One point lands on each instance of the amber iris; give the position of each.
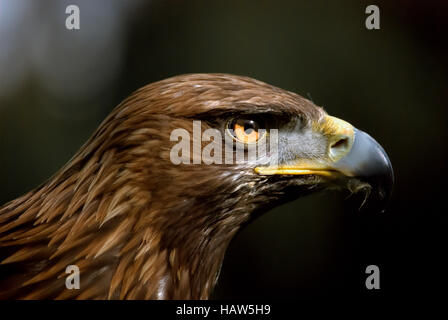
(246, 130)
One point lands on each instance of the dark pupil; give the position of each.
(249, 126)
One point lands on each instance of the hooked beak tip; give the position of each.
(368, 162)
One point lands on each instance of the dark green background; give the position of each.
(391, 83)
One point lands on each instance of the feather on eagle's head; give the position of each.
(139, 226)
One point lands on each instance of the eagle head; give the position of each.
(148, 206)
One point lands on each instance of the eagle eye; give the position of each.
(245, 130)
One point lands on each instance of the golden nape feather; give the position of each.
(137, 225)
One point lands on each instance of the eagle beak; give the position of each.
(351, 153)
(368, 162)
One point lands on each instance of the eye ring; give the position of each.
(245, 130)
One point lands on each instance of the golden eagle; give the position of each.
(140, 226)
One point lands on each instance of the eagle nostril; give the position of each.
(341, 143)
(339, 148)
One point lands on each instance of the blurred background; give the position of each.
(56, 86)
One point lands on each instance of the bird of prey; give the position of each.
(138, 225)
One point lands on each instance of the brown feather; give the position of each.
(137, 226)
